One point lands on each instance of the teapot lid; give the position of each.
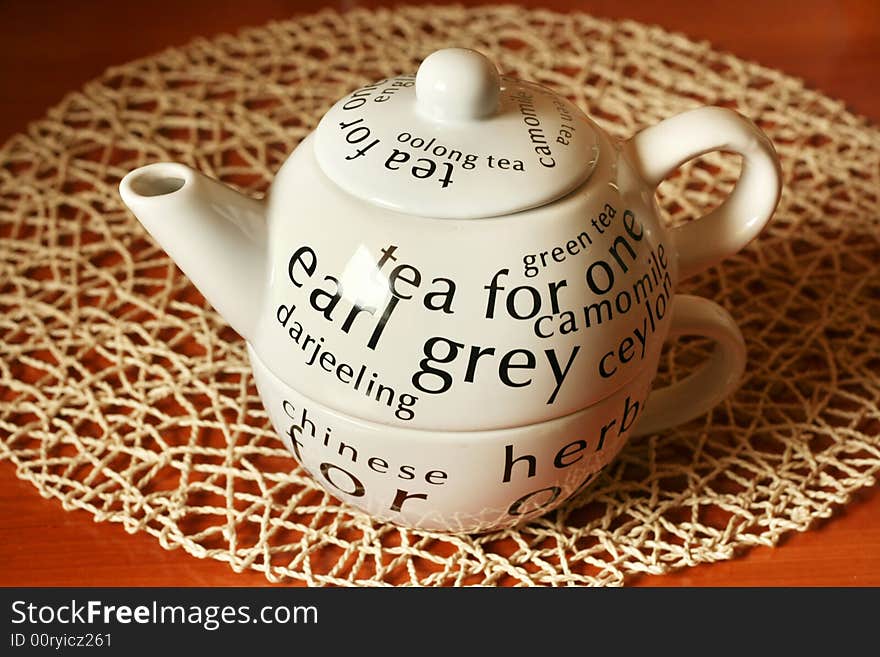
(456, 141)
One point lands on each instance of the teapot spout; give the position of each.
(216, 235)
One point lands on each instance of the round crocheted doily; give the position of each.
(123, 393)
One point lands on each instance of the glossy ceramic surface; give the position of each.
(451, 326)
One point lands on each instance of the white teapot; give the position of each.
(457, 288)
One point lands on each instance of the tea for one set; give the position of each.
(456, 291)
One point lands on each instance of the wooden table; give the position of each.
(51, 48)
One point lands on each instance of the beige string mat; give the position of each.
(123, 393)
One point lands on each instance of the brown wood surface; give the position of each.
(50, 48)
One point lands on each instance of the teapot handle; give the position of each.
(713, 381)
(657, 151)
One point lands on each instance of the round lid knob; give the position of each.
(457, 84)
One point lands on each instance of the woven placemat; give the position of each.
(123, 393)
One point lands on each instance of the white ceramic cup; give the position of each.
(477, 481)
